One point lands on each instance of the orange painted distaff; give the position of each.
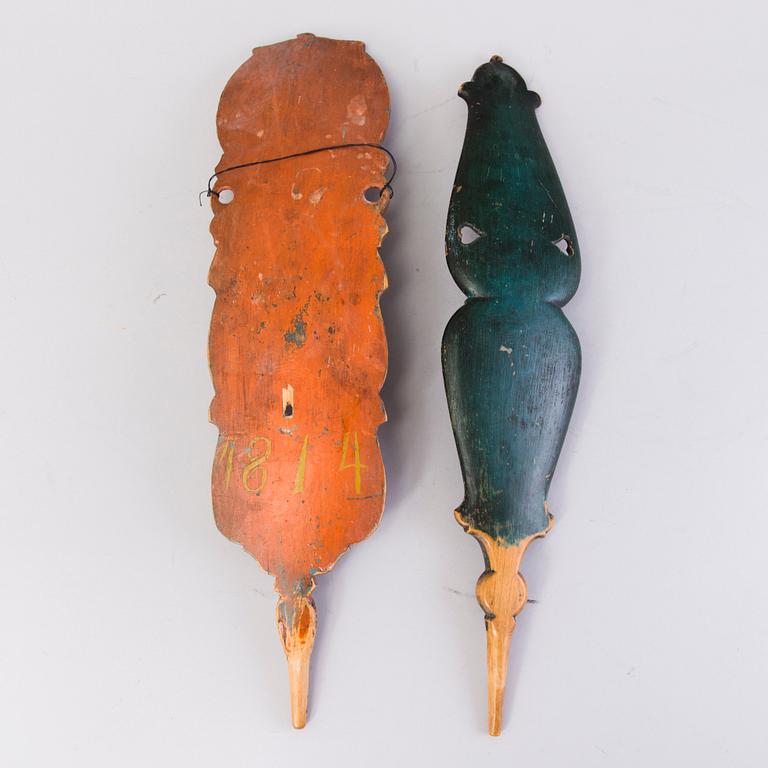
(297, 347)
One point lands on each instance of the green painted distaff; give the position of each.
(511, 359)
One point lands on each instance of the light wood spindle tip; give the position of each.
(297, 624)
(502, 594)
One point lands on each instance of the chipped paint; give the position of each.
(356, 110)
(517, 414)
(297, 334)
(316, 196)
(297, 352)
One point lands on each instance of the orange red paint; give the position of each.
(297, 347)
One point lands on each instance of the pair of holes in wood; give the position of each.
(371, 195)
(468, 234)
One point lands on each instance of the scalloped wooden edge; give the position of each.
(296, 612)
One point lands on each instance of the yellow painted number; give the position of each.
(226, 456)
(298, 484)
(356, 465)
(255, 464)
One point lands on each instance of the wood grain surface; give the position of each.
(511, 360)
(297, 347)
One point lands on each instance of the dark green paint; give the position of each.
(511, 360)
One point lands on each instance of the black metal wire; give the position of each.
(210, 191)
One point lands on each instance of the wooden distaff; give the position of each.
(297, 346)
(511, 360)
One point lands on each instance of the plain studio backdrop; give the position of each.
(134, 634)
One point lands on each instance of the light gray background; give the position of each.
(134, 634)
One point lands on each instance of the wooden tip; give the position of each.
(502, 594)
(298, 675)
(297, 624)
(498, 655)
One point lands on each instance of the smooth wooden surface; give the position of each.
(511, 360)
(297, 346)
(502, 593)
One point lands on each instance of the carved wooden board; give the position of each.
(511, 359)
(297, 347)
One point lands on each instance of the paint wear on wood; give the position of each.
(511, 360)
(297, 347)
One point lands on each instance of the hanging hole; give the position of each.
(468, 234)
(288, 401)
(226, 196)
(564, 244)
(372, 195)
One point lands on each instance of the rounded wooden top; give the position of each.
(299, 95)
